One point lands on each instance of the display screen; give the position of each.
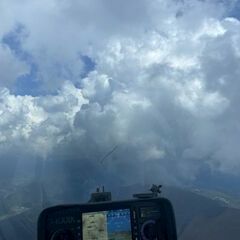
(149, 212)
(107, 225)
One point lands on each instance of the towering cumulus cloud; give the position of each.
(153, 82)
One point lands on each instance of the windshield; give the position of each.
(121, 94)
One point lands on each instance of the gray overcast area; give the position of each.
(157, 81)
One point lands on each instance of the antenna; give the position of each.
(99, 196)
(101, 161)
(155, 191)
(108, 154)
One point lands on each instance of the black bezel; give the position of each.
(133, 205)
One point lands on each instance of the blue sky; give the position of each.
(30, 83)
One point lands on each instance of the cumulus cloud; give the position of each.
(163, 92)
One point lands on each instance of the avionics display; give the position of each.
(151, 218)
(107, 225)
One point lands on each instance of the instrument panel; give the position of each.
(148, 219)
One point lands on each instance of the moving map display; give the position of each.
(107, 225)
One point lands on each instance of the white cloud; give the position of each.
(164, 89)
(38, 123)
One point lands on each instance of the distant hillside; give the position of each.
(19, 227)
(223, 226)
(201, 218)
(198, 217)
